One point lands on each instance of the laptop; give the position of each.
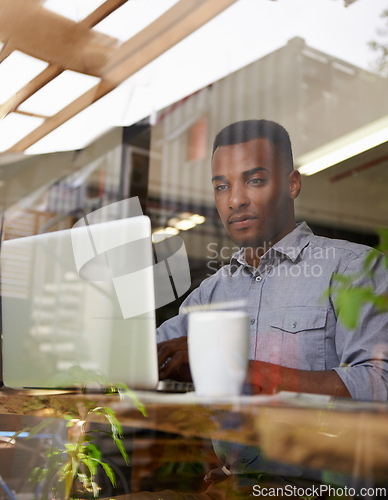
(78, 307)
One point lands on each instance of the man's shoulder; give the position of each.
(340, 247)
(303, 239)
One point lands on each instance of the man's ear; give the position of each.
(294, 184)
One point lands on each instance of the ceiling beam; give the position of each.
(28, 90)
(173, 26)
(102, 12)
(12, 16)
(27, 26)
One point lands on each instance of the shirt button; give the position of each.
(258, 278)
(252, 321)
(293, 324)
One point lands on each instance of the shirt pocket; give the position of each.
(298, 337)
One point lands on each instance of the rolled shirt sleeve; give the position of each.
(363, 352)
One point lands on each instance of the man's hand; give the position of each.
(266, 378)
(262, 378)
(173, 359)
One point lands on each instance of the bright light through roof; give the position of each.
(197, 61)
(132, 17)
(16, 71)
(77, 132)
(59, 93)
(14, 127)
(76, 10)
(127, 104)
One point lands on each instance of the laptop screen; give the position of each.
(78, 307)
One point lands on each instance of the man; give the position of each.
(297, 339)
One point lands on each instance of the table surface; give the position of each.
(308, 430)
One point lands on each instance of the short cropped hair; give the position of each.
(249, 130)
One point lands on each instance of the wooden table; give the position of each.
(342, 436)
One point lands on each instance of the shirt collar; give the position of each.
(290, 246)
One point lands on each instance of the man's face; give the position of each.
(253, 193)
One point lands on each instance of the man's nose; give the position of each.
(238, 197)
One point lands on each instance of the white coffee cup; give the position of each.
(218, 343)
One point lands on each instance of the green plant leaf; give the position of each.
(37, 474)
(350, 299)
(93, 451)
(109, 472)
(383, 234)
(371, 256)
(122, 449)
(350, 302)
(70, 447)
(341, 278)
(91, 464)
(110, 415)
(126, 391)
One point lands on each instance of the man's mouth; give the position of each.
(241, 221)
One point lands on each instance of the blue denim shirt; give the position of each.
(292, 323)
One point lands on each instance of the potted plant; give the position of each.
(70, 468)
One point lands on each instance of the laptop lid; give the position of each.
(78, 307)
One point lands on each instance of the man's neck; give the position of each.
(253, 255)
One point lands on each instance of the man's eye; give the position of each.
(257, 180)
(220, 187)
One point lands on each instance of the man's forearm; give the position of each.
(266, 378)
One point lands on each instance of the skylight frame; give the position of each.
(75, 10)
(16, 71)
(118, 23)
(14, 127)
(59, 93)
